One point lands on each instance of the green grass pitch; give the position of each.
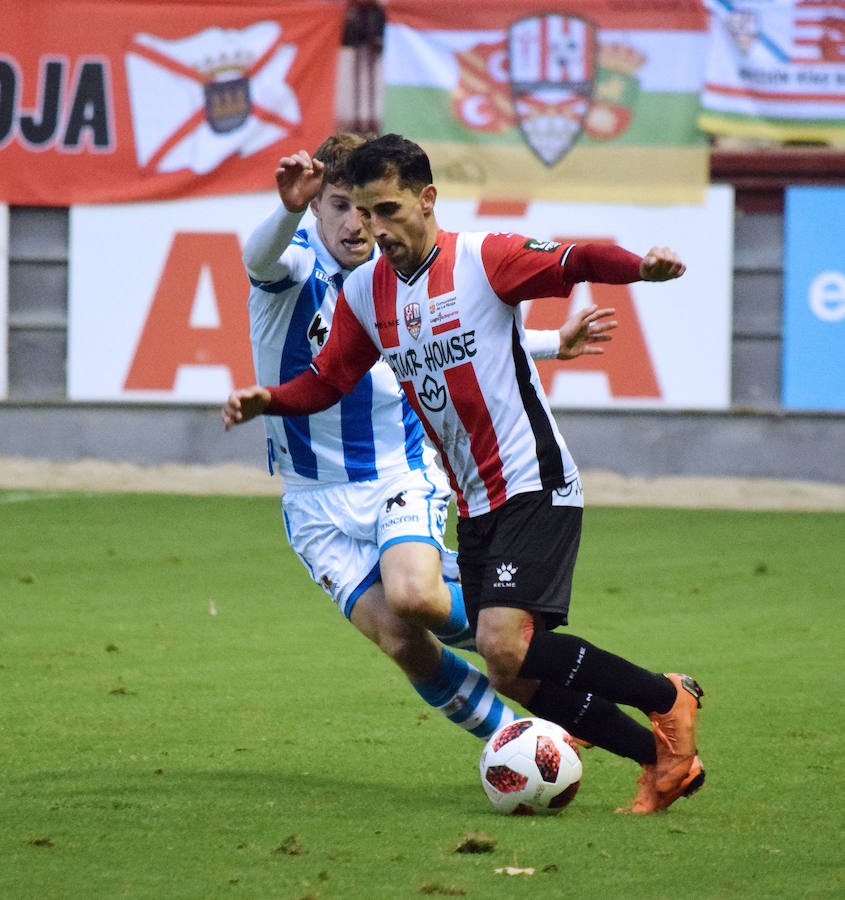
(184, 715)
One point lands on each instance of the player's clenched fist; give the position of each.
(661, 264)
(244, 404)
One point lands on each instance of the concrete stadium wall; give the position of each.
(740, 443)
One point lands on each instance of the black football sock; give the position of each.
(594, 719)
(572, 662)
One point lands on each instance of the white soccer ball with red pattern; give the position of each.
(530, 766)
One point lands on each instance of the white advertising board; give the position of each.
(157, 299)
(158, 294)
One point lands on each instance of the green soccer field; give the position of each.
(184, 715)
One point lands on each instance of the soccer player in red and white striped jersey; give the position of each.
(443, 310)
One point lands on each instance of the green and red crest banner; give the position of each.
(596, 101)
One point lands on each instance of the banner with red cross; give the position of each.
(118, 100)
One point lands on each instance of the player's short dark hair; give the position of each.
(334, 154)
(388, 155)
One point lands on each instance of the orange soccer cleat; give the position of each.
(674, 734)
(647, 799)
(677, 772)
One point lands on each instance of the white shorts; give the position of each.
(340, 530)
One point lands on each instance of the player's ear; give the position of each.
(428, 196)
(314, 205)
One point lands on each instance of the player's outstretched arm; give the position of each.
(661, 264)
(244, 404)
(583, 330)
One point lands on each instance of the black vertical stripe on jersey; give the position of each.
(549, 456)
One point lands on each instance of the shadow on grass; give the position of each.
(91, 788)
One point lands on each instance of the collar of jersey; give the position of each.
(425, 264)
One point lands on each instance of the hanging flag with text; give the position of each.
(776, 70)
(110, 102)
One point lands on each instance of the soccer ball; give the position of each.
(529, 766)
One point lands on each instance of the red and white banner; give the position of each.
(776, 70)
(119, 100)
(165, 318)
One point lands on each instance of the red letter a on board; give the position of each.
(168, 339)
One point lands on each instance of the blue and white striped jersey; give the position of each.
(369, 433)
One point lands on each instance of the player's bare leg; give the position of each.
(410, 645)
(503, 635)
(412, 575)
(444, 680)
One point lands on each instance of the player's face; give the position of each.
(341, 228)
(399, 220)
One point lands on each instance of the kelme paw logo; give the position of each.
(506, 571)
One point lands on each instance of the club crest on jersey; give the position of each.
(552, 67)
(413, 319)
(743, 27)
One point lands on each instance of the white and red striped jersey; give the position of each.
(452, 333)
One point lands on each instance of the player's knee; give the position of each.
(502, 653)
(418, 599)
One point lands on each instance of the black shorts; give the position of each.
(521, 554)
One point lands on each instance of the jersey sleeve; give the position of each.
(272, 254)
(542, 344)
(301, 396)
(348, 354)
(602, 263)
(521, 268)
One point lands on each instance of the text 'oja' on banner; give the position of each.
(104, 101)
